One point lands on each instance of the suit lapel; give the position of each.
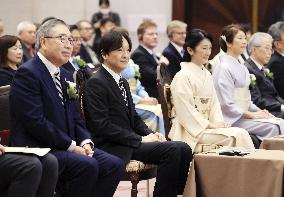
(150, 57)
(175, 51)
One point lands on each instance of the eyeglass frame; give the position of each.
(69, 39)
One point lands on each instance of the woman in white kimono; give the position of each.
(198, 118)
(232, 81)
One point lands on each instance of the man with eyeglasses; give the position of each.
(276, 63)
(263, 94)
(44, 114)
(86, 52)
(176, 31)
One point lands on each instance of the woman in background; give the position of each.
(11, 54)
(199, 121)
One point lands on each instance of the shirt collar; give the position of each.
(52, 69)
(147, 49)
(178, 48)
(259, 66)
(112, 73)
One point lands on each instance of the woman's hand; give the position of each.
(260, 114)
(216, 125)
(148, 101)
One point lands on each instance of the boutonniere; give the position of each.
(81, 63)
(268, 73)
(137, 72)
(71, 90)
(252, 81)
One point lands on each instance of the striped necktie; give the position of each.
(123, 92)
(58, 86)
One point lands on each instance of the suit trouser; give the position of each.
(26, 175)
(173, 160)
(85, 176)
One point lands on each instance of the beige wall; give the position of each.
(131, 11)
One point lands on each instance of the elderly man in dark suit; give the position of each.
(44, 114)
(176, 31)
(146, 58)
(263, 94)
(276, 63)
(117, 128)
(26, 32)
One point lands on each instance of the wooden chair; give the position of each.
(5, 114)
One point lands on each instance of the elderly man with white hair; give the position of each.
(26, 32)
(263, 92)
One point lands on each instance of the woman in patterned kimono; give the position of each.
(232, 81)
(146, 107)
(198, 120)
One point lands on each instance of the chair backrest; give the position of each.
(4, 107)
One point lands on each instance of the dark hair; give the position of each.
(6, 42)
(228, 33)
(193, 38)
(104, 2)
(47, 19)
(112, 41)
(73, 27)
(105, 21)
(121, 30)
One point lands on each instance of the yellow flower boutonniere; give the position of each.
(268, 74)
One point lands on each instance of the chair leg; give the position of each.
(134, 177)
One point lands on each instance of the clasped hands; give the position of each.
(260, 114)
(86, 149)
(153, 137)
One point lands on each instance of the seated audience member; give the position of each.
(116, 127)
(276, 63)
(72, 65)
(11, 54)
(247, 29)
(1, 27)
(86, 52)
(199, 118)
(146, 107)
(43, 114)
(263, 93)
(26, 32)
(27, 175)
(145, 57)
(176, 31)
(106, 25)
(232, 80)
(104, 12)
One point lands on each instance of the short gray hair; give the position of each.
(257, 39)
(22, 26)
(45, 30)
(173, 25)
(276, 29)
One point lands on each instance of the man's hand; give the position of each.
(88, 150)
(160, 137)
(148, 101)
(153, 137)
(79, 150)
(2, 149)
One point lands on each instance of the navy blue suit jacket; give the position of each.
(85, 55)
(38, 117)
(148, 70)
(264, 95)
(174, 58)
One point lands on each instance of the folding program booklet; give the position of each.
(37, 151)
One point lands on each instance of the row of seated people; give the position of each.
(236, 137)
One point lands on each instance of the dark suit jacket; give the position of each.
(38, 117)
(276, 65)
(115, 128)
(68, 66)
(174, 58)
(85, 55)
(264, 95)
(6, 76)
(148, 70)
(26, 53)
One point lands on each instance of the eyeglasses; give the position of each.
(77, 39)
(266, 49)
(64, 39)
(180, 33)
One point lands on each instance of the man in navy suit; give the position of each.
(44, 115)
(117, 128)
(263, 94)
(176, 31)
(145, 57)
(276, 63)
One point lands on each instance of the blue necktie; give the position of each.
(155, 57)
(182, 52)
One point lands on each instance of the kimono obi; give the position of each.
(241, 98)
(202, 105)
(132, 85)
